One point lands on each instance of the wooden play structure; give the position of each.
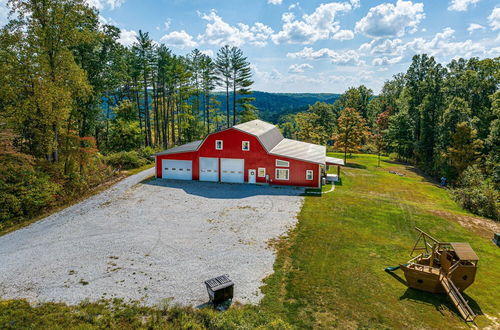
(442, 267)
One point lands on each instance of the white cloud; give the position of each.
(461, 5)
(299, 68)
(107, 20)
(294, 5)
(319, 25)
(442, 45)
(355, 3)
(343, 35)
(4, 12)
(127, 37)
(275, 2)
(266, 75)
(102, 4)
(388, 20)
(166, 24)
(218, 32)
(208, 52)
(385, 61)
(180, 39)
(494, 19)
(345, 57)
(473, 27)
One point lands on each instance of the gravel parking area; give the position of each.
(150, 241)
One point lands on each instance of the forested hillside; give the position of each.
(273, 106)
(444, 118)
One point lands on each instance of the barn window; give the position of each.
(245, 145)
(262, 172)
(282, 163)
(218, 144)
(309, 175)
(281, 174)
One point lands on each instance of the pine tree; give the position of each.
(241, 81)
(223, 67)
(143, 49)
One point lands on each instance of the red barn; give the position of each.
(252, 152)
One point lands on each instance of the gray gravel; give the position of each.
(150, 241)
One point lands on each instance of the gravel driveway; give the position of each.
(150, 241)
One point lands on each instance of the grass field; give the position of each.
(330, 272)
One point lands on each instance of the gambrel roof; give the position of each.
(271, 139)
(268, 134)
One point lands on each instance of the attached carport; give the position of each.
(331, 161)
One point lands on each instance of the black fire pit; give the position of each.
(219, 289)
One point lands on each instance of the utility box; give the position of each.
(496, 239)
(219, 289)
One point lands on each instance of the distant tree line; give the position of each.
(70, 94)
(444, 119)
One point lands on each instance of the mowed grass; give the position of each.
(330, 271)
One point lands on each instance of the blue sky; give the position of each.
(315, 46)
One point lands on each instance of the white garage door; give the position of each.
(177, 169)
(209, 169)
(232, 170)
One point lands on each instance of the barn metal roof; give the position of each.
(272, 140)
(464, 251)
(268, 134)
(300, 150)
(191, 146)
(334, 161)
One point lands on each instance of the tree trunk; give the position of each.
(146, 111)
(234, 101)
(227, 102)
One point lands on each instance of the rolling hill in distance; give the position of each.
(274, 105)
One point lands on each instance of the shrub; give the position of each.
(125, 160)
(146, 153)
(24, 190)
(478, 194)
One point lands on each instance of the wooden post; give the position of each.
(338, 172)
(433, 255)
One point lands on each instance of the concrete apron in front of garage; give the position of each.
(150, 241)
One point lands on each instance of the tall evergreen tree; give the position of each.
(241, 81)
(143, 49)
(223, 66)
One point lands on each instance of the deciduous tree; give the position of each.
(351, 131)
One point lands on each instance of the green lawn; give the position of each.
(330, 272)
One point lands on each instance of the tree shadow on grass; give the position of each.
(412, 168)
(355, 165)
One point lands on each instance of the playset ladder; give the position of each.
(457, 299)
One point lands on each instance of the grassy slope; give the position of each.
(330, 271)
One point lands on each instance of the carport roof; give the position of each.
(300, 150)
(191, 146)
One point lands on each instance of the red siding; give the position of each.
(255, 158)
